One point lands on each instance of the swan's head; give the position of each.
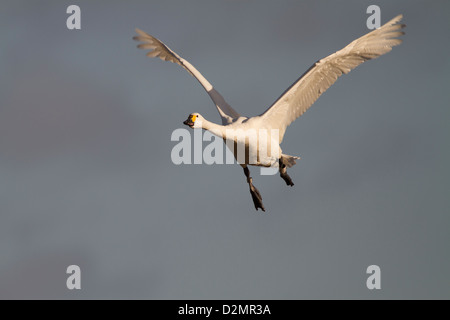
(194, 120)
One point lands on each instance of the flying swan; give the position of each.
(272, 123)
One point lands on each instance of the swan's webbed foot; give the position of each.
(256, 196)
(287, 179)
(284, 175)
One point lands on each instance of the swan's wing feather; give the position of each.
(320, 76)
(160, 50)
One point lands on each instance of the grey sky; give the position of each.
(85, 125)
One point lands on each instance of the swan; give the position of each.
(288, 107)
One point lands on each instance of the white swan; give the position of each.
(288, 107)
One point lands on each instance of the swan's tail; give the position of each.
(288, 160)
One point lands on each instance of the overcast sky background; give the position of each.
(87, 179)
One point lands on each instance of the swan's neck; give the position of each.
(214, 128)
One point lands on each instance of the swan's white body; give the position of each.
(250, 140)
(289, 106)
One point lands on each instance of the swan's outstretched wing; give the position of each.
(160, 50)
(317, 79)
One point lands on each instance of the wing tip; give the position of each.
(396, 20)
(140, 32)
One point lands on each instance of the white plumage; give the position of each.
(288, 107)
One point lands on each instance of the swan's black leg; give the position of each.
(284, 175)
(256, 196)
